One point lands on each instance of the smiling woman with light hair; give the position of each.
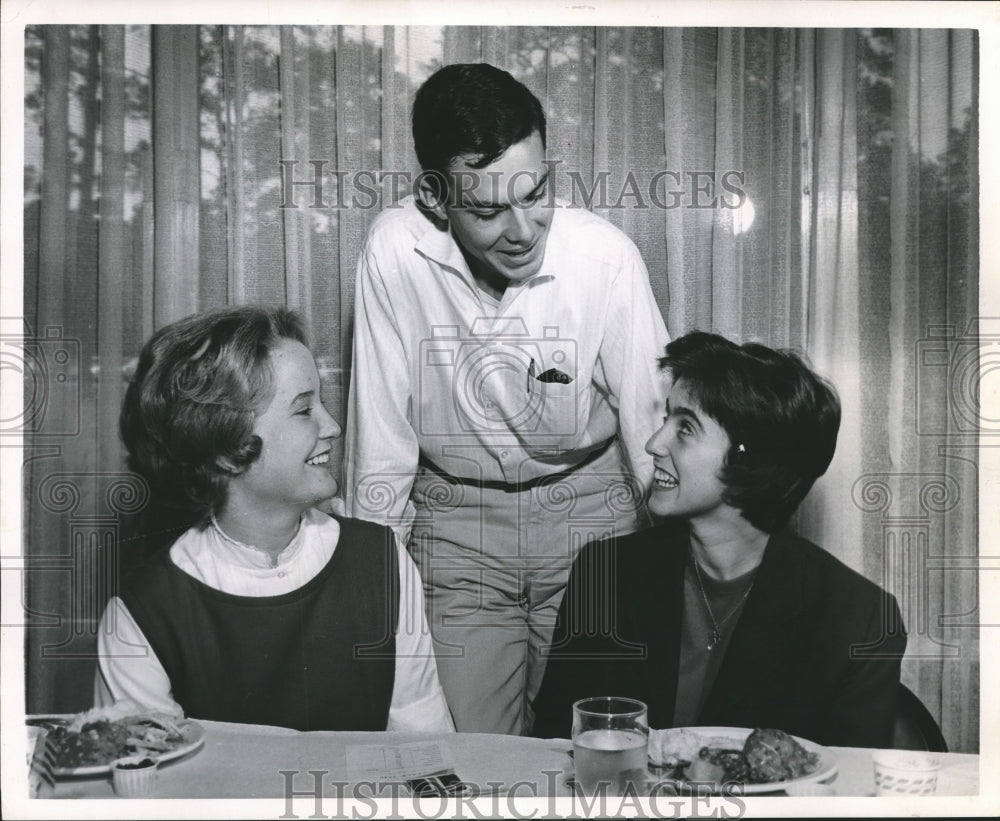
(266, 611)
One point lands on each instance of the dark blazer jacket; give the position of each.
(816, 651)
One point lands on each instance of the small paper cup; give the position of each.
(905, 772)
(134, 776)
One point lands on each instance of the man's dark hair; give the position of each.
(188, 415)
(782, 420)
(472, 109)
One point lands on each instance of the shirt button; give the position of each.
(281, 574)
(505, 454)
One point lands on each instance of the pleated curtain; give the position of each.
(812, 189)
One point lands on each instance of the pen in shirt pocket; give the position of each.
(531, 374)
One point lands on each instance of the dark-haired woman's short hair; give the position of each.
(188, 415)
(472, 109)
(781, 417)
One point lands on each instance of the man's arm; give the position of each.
(381, 450)
(628, 362)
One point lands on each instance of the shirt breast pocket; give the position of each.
(553, 413)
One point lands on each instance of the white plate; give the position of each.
(194, 735)
(825, 769)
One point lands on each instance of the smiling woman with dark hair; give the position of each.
(721, 616)
(780, 418)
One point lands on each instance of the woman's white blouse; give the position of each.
(128, 667)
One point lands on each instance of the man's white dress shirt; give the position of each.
(443, 370)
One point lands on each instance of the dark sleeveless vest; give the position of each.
(319, 658)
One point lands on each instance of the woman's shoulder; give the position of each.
(648, 548)
(351, 528)
(157, 573)
(821, 570)
(361, 545)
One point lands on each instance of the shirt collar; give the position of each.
(245, 555)
(438, 245)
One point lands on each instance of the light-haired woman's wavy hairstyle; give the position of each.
(188, 415)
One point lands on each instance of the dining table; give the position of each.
(322, 772)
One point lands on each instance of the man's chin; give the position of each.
(516, 276)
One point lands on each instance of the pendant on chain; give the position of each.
(713, 640)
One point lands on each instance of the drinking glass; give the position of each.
(609, 744)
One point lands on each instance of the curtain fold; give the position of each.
(934, 473)
(113, 269)
(727, 269)
(177, 170)
(231, 42)
(834, 307)
(814, 189)
(52, 227)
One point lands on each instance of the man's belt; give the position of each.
(518, 487)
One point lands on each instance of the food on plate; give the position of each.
(700, 771)
(124, 708)
(765, 757)
(97, 742)
(774, 755)
(668, 748)
(734, 764)
(99, 736)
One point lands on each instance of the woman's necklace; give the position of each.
(716, 636)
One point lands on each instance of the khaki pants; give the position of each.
(494, 565)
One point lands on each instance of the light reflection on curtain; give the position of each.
(856, 241)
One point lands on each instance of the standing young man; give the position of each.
(504, 383)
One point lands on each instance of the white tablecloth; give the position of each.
(246, 761)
